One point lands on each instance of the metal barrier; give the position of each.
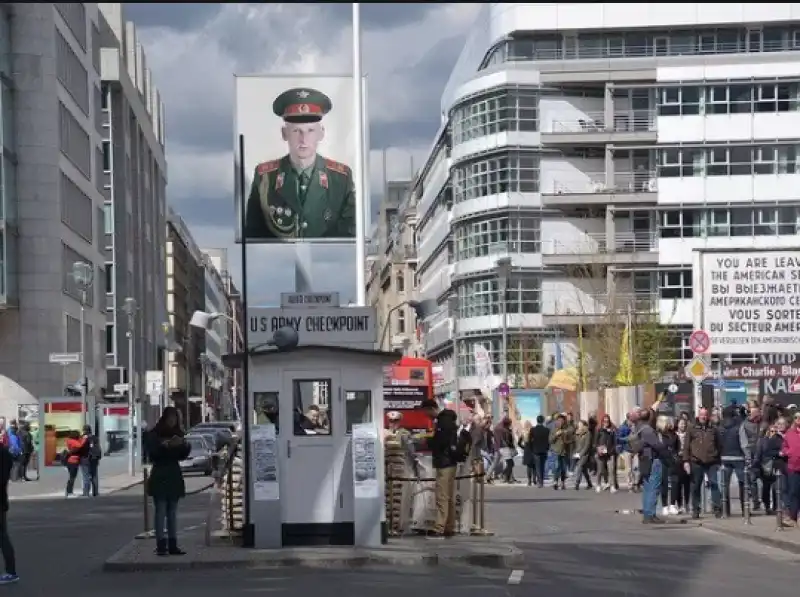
(477, 493)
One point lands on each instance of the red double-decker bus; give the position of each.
(406, 384)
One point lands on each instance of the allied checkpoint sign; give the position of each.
(750, 300)
(350, 327)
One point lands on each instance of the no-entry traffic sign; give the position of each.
(699, 342)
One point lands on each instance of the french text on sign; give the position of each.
(699, 342)
(750, 300)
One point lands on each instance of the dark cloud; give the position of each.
(384, 16)
(181, 17)
(204, 211)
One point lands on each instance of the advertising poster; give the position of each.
(406, 385)
(265, 463)
(299, 150)
(529, 404)
(365, 464)
(60, 420)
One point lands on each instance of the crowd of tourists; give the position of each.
(671, 461)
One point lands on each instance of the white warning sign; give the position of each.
(751, 301)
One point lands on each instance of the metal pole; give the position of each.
(84, 380)
(202, 392)
(456, 382)
(505, 330)
(359, 161)
(131, 401)
(165, 384)
(248, 532)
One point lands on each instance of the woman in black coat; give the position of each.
(166, 447)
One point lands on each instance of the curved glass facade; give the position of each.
(504, 172)
(480, 238)
(524, 354)
(498, 111)
(481, 297)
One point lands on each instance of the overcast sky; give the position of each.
(194, 50)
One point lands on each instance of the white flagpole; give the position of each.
(358, 166)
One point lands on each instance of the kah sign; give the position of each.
(750, 300)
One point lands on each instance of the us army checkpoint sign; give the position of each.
(351, 327)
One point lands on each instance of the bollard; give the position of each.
(145, 503)
(392, 529)
(477, 466)
(778, 500)
(745, 495)
(723, 491)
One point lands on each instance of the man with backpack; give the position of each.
(91, 464)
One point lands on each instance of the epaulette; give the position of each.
(264, 167)
(337, 166)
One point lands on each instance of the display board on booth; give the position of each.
(750, 300)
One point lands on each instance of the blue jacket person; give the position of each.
(301, 195)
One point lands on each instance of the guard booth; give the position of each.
(317, 456)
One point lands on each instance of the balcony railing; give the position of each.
(623, 242)
(628, 121)
(407, 252)
(595, 182)
(604, 303)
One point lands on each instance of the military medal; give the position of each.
(327, 215)
(323, 180)
(279, 181)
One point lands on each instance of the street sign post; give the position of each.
(65, 358)
(698, 369)
(699, 342)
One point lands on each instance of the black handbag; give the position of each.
(768, 468)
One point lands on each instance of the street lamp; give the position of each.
(129, 307)
(170, 345)
(205, 321)
(205, 364)
(503, 270)
(83, 275)
(422, 309)
(452, 309)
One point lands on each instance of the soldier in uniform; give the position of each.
(301, 195)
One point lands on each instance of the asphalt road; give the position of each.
(574, 544)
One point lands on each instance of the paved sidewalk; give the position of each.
(764, 530)
(487, 552)
(113, 477)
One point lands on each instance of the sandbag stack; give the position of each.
(233, 496)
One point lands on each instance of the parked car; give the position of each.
(222, 432)
(229, 425)
(202, 458)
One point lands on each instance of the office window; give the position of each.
(732, 160)
(109, 338)
(76, 208)
(95, 39)
(74, 15)
(71, 73)
(401, 322)
(75, 142)
(676, 284)
(480, 298)
(109, 279)
(106, 156)
(500, 111)
(73, 334)
(400, 282)
(502, 173)
(108, 218)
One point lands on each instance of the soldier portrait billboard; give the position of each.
(299, 147)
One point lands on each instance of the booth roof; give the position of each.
(234, 360)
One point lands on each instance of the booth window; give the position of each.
(267, 407)
(358, 408)
(312, 404)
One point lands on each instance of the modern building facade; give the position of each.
(392, 270)
(216, 301)
(185, 295)
(134, 172)
(595, 146)
(55, 187)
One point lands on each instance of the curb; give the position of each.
(513, 558)
(787, 546)
(126, 487)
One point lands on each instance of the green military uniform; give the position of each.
(310, 203)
